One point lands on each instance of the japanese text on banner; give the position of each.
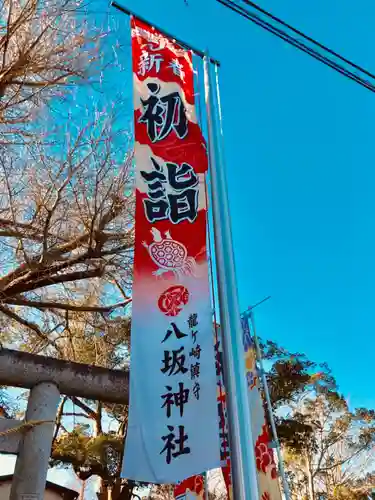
(172, 417)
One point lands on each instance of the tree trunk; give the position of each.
(103, 491)
(126, 492)
(82, 492)
(59, 415)
(310, 481)
(98, 430)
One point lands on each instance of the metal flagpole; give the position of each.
(241, 444)
(129, 12)
(206, 485)
(250, 316)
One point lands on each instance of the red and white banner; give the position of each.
(268, 484)
(191, 488)
(172, 431)
(223, 415)
(193, 484)
(268, 480)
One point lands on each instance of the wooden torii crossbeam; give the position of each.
(47, 378)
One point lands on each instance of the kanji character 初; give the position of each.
(179, 335)
(196, 352)
(177, 69)
(162, 115)
(149, 61)
(174, 362)
(178, 399)
(195, 370)
(172, 443)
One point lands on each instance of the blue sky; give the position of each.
(298, 140)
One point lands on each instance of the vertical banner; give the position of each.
(191, 488)
(223, 415)
(172, 431)
(268, 482)
(193, 485)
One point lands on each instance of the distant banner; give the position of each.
(192, 485)
(189, 489)
(268, 483)
(223, 416)
(195, 482)
(221, 402)
(173, 421)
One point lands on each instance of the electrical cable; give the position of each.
(301, 46)
(307, 37)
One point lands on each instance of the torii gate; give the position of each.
(47, 378)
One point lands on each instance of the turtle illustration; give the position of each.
(169, 255)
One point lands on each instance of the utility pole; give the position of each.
(249, 316)
(269, 406)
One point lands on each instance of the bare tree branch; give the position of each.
(66, 307)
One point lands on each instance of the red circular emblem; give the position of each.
(172, 301)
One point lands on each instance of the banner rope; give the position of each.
(26, 426)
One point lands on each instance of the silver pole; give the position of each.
(269, 407)
(206, 485)
(241, 443)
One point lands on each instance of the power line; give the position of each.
(313, 52)
(306, 37)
